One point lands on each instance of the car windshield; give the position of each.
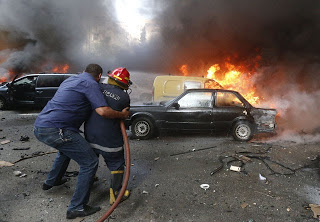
(165, 103)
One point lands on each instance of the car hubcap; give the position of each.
(142, 128)
(243, 131)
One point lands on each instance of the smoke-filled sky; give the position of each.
(283, 34)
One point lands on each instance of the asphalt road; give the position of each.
(165, 180)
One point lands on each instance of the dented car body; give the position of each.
(202, 110)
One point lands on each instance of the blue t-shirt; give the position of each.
(103, 131)
(72, 104)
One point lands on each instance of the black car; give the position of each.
(202, 110)
(33, 89)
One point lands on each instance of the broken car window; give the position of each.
(196, 100)
(26, 81)
(228, 99)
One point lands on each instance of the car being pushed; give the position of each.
(199, 110)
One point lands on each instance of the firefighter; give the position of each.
(105, 135)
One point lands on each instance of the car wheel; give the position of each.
(242, 131)
(2, 103)
(142, 128)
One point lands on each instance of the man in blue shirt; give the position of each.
(58, 126)
(104, 134)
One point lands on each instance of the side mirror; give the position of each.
(176, 105)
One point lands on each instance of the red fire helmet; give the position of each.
(121, 75)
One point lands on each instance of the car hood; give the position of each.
(146, 107)
(264, 117)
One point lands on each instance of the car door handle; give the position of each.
(39, 92)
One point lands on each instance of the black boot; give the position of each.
(86, 211)
(116, 185)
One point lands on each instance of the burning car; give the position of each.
(32, 89)
(210, 110)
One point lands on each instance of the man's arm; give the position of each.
(107, 112)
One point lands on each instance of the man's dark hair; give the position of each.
(94, 69)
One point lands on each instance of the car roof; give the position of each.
(212, 90)
(44, 74)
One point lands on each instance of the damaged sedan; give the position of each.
(199, 110)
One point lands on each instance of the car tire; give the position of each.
(242, 131)
(2, 103)
(142, 128)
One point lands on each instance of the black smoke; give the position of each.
(37, 35)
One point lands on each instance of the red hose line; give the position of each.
(126, 176)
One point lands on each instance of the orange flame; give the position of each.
(234, 79)
(212, 70)
(61, 68)
(7, 76)
(184, 70)
(3, 79)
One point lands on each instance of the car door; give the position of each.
(190, 112)
(47, 85)
(227, 107)
(22, 91)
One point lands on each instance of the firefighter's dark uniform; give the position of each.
(105, 137)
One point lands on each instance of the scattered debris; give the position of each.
(17, 173)
(264, 194)
(193, 150)
(5, 142)
(25, 194)
(145, 192)
(259, 156)
(315, 209)
(244, 205)
(23, 175)
(262, 177)
(235, 168)
(24, 138)
(2, 138)
(243, 158)
(220, 167)
(156, 158)
(36, 154)
(205, 186)
(5, 163)
(21, 148)
(157, 185)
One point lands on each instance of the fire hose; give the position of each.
(126, 176)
